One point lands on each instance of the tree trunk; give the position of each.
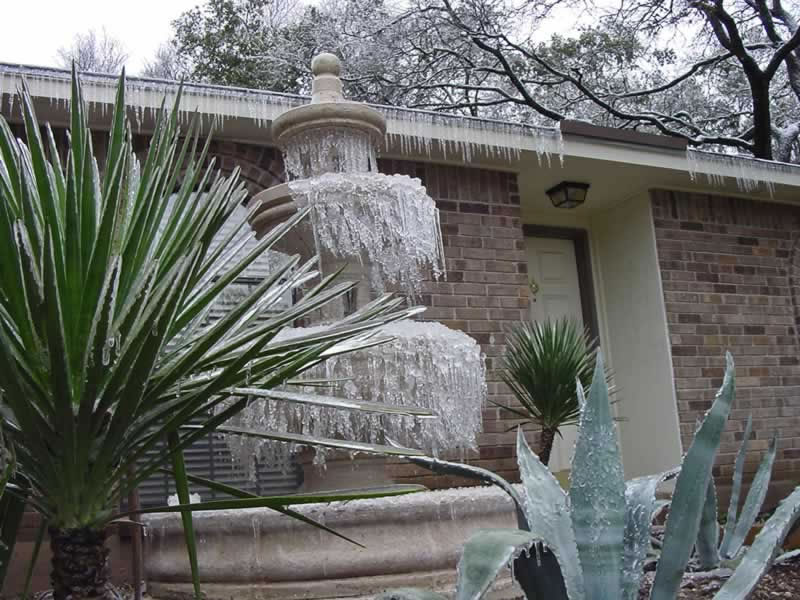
(546, 445)
(762, 119)
(80, 563)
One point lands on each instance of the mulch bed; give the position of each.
(782, 581)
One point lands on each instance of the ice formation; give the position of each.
(388, 227)
(462, 137)
(387, 223)
(214, 103)
(425, 365)
(748, 172)
(426, 132)
(173, 500)
(329, 150)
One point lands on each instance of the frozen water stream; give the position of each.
(387, 223)
(425, 365)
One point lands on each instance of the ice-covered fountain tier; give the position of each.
(384, 230)
(386, 225)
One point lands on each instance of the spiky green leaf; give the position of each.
(685, 512)
(708, 535)
(547, 512)
(766, 546)
(736, 488)
(485, 554)
(640, 504)
(597, 492)
(754, 500)
(443, 467)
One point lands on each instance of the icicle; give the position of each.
(387, 222)
(108, 347)
(464, 137)
(425, 365)
(748, 172)
(329, 150)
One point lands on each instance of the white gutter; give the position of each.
(413, 131)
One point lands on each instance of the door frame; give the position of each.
(583, 259)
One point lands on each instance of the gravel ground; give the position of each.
(782, 581)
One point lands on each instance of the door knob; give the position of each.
(534, 289)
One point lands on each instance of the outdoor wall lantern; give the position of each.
(568, 194)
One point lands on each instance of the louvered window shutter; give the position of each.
(209, 457)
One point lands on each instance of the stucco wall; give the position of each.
(635, 337)
(729, 284)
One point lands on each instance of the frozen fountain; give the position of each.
(382, 231)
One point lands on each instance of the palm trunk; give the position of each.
(80, 563)
(546, 444)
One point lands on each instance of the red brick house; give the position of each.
(673, 258)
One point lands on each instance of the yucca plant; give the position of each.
(591, 542)
(7, 471)
(107, 276)
(541, 364)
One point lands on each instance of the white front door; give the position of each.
(553, 277)
(555, 293)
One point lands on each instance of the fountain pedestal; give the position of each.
(258, 554)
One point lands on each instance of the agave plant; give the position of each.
(541, 364)
(592, 542)
(711, 552)
(106, 279)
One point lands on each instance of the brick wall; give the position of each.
(729, 268)
(485, 289)
(261, 167)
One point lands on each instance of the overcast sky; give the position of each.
(33, 30)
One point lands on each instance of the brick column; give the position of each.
(485, 289)
(729, 268)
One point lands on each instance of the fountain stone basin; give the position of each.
(410, 541)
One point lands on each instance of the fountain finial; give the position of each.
(326, 63)
(326, 87)
(331, 133)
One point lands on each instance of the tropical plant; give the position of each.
(106, 279)
(592, 542)
(541, 364)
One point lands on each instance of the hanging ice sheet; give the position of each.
(749, 172)
(334, 149)
(386, 222)
(425, 365)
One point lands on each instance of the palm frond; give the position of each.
(541, 365)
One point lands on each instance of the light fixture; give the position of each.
(568, 194)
